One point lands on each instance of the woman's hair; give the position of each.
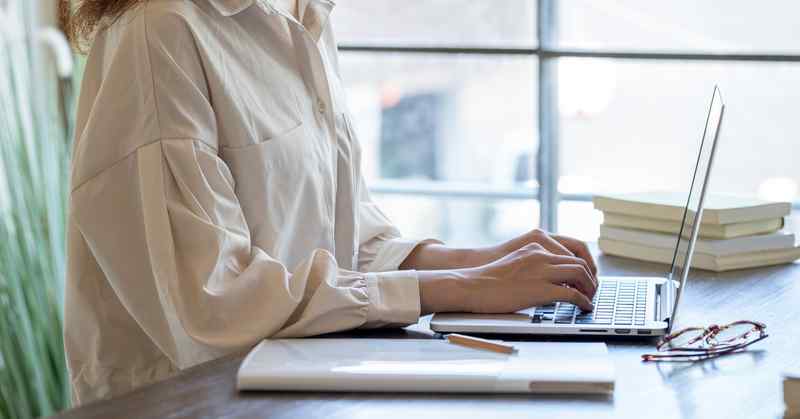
(81, 19)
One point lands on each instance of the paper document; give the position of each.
(425, 365)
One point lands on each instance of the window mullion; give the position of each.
(547, 155)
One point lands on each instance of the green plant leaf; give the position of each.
(34, 159)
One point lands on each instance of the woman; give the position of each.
(217, 199)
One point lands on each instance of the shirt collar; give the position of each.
(314, 14)
(231, 7)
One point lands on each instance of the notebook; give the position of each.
(701, 260)
(707, 231)
(425, 365)
(723, 247)
(719, 209)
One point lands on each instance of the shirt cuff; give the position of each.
(393, 298)
(393, 252)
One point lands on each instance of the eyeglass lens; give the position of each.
(735, 333)
(691, 338)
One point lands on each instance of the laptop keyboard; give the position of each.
(616, 302)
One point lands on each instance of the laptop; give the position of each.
(624, 305)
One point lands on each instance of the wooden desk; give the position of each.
(741, 386)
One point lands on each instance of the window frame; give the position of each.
(547, 53)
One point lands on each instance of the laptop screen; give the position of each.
(693, 212)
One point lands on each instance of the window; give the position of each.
(481, 120)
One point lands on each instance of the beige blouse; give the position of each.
(217, 197)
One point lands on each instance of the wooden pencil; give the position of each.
(478, 343)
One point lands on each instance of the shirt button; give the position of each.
(321, 106)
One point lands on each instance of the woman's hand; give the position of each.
(433, 256)
(528, 276)
(554, 243)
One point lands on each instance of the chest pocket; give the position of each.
(284, 187)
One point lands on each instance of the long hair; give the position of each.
(81, 19)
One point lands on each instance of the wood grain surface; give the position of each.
(746, 385)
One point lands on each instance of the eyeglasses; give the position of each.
(698, 343)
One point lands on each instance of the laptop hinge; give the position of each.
(667, 293)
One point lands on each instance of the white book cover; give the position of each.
(707, 231)
(721, 247)
(700, 260)
(425, 365)
(718, 209)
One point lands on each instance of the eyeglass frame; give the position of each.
(713, 350)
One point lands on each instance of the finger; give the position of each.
(541, 237)
(525, 239)
(571, 260)
(580, 249)
(576, 244)
(552, 246)
(533, 247)
(575, 276)
(571, 295)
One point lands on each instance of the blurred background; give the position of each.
(479, 120)
(38, 81)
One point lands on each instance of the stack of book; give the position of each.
(735, 232)
(791, 394)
